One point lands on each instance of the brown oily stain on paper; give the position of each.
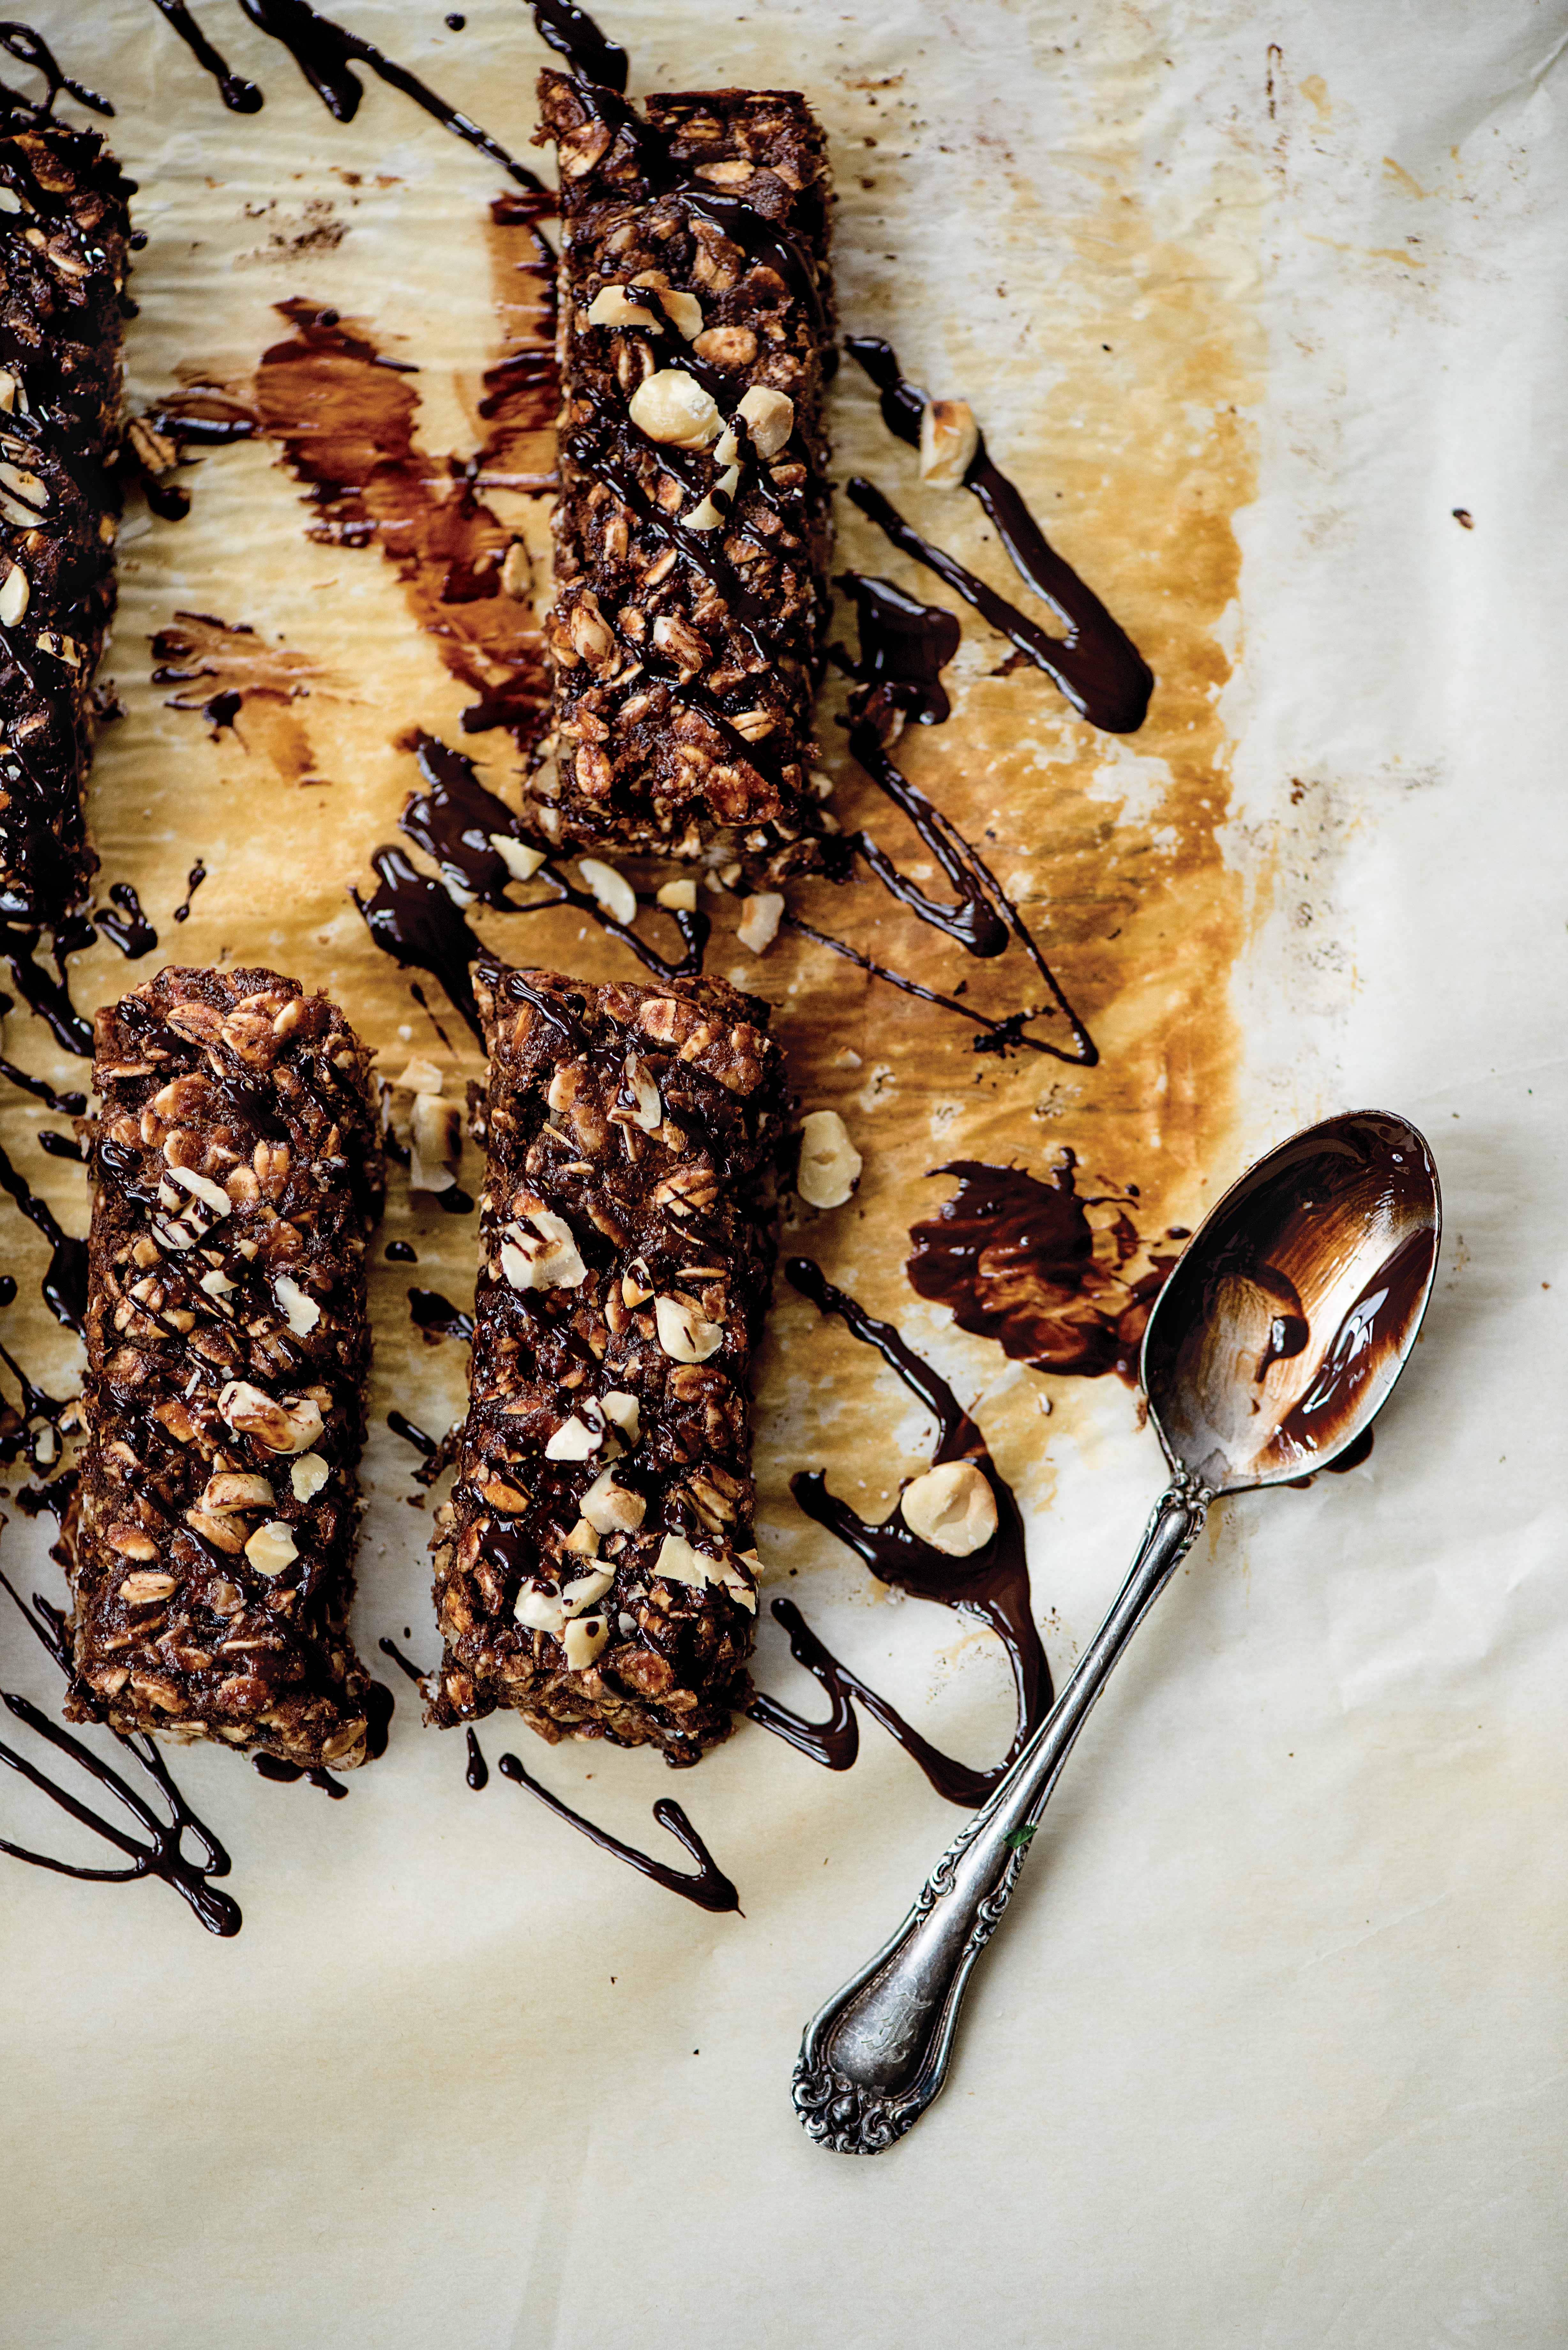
(1134, 903)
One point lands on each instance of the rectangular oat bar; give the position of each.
(692, 527)
(64, 241)
(595, 1568)
(238, 1174)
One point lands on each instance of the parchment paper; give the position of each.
(1270, 2050)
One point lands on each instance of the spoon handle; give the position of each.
(874, 2058)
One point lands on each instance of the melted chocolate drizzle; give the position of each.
(707, 1886)
(589, 53)
(1095, 663)
(437, 1317)
(49, 998)
(405, 1665)
(905, 645)
(413, 920)
(456, 821)
(1018, 1261)
(32, 1427)
(240, 96)
(30, 48)
(439, 1451)
(127, 924)
(159, 1851)
(65, 1282)
(992, 1584)
(193, 881)
(68, 1105)
(326, 54)
(286, 1774)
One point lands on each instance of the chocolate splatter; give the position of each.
(1019, 1261)
(224, 668)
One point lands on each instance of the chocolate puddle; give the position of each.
(1018, 1261)
(991, 1584)
(1096, 664)
(161, 1854)
(708, 1886)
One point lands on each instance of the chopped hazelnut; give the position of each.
(951, 1507)
(948, 439)
(673, 407)
(829, 1163)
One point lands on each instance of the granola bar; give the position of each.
(64, 239)
(595, 1568)
(238, 1174)
(693, 527)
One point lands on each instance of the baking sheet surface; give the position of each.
(1270, 2050)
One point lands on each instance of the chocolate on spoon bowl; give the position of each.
(1272, 1347)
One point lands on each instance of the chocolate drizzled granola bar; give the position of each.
(595, 1569)
(64, 232)
(238, 1174)
(692, 527)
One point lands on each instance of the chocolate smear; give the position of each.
(1017, 1260)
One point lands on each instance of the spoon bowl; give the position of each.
(1292, 1312)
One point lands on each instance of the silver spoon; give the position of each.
(1276, 1340)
